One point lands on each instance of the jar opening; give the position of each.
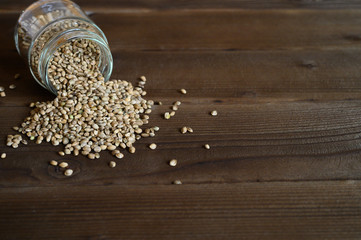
(105, 64)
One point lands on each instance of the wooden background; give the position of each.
(284, 163)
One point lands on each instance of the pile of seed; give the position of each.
(88, 115)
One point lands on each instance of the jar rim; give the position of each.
(71, 34)
(88, 21)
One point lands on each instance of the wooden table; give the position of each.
(284, 163)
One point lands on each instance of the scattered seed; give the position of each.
(172, 113)
(68, 172)
(184, 130)
(177, 182)
(2, 94)
(173, 162)
(12, 86)
(214, 113)
(88, 115)
(174, 107)
(53, 163)
(63, 164)
(153, 146)
(159, 103)
(156, 128)
(166, 115)
(3, 155)
(119, 155)
(206, 146)
(183, 91)
(17, 76)
(190, 129)
(2, 89)
(132, 149)
(177, 103)
(143, 78)
(112, 164)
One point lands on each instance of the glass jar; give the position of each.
(48, 24)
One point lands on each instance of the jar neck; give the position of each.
(105, 59)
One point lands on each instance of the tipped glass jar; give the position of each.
(48, 24)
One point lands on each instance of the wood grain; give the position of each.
(146, 5)
(284, 161)
(308, 210)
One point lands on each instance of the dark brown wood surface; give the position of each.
(285, 157)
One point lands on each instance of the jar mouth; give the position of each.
(105, 62)
(46, 27)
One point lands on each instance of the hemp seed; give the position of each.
(173, 162)
(12, 86)
(214, 113)
(183, 91)
(166, 115)
(3, 155)
(53, 163)
(63, 164)
(153, 146)
(177, 182)
(206, 146)
(112, 164)
(68, 172)
(184, 130)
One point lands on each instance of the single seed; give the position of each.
(156, 128)
(184, 130)
(112, 164)
(166, 115)
(174, 107)
(3, 155)
(2, 89)
(54, 163)
(63, 164)
(12, 86)
(177, 182)
(132, 149)
(17, 76)
(143, 78)
(111, 147)
(177, 103)
(119, 155)
(159, 103)
(206, 146)
(214, 113)
(172, 113)
(61, 153)
(153, 146)
(2, 94)
(190, 129)
(173, 162)
(68, 172)
(183, 91)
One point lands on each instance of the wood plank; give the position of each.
(143, 5)
(222, 30)
(217, 76)
(303, 210)
(249, 142)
